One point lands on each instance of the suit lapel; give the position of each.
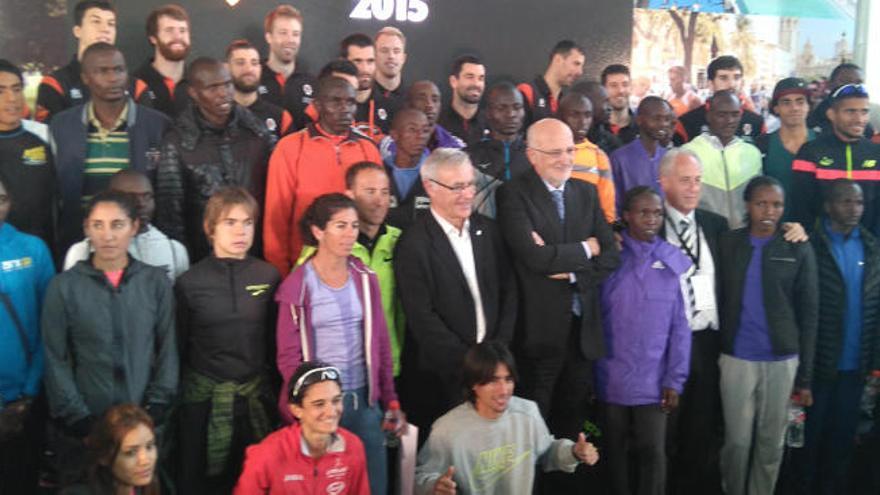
(443, 250)
(572, 212)
(540, 196)
(482, 252)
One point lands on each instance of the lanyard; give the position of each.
(687, 250)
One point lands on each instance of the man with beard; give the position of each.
(93, 141)
(599, 132)
(373, 114)
(543, 93)
(463, 116)
(424, 96)
(309, 163)
(214, 143)
(501, 155)
(638, 163)
(591, 164)
(410, 132)
(390, 46)
(243, 61)
(842, 153)
(842, 74)
(621, 121)
(159, 82)
(94, 21)
(729, 162)
(281, 83)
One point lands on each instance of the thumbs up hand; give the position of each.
(445, 485)
(585, 451)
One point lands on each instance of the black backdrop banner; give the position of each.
(514, 37)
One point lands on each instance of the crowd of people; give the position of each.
(231, 276)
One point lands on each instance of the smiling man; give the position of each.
(543, 93)
(791, 103)
(463, 116)
(390, 58)
(91, 142)
(728, 161)
(243, 61)
(843, 153)
(214, 143)
(159, 82)
(491, 443)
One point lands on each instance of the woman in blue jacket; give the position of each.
(649, 345)
(25, 270)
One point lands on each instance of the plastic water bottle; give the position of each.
(390, 425)
(797, 418)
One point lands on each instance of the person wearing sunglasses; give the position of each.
(454, 285)
(842, 153)
(330, 308)
(314, 454)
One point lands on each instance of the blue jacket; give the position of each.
(646, 332)
(25, 270)
(68, 137)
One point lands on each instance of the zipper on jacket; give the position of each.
(231, 268)
(727, 191)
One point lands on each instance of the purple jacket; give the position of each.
(296, 337)
(646, 332)
(631, 166)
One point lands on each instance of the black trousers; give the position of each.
(192, 438)
(20, 455)
(561, 385)
(695, 429)
(636, 433)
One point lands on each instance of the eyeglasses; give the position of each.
(856, 90)
(314, 376)
(556, 153)
(457, 188)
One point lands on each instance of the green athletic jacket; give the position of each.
(381, 262)
(726, 171)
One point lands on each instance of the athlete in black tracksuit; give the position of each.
(60, 90)
(28, 170)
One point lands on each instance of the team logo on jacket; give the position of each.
(76, 94)
(261, 89)
(15, 265)
(34, 156)
(393, 203)
(658, 265)
(257, 289)
(382, 114)
(826, 161)
(336, 487)
(307, 89)
(271, 125)
(747, 128)
(869, 163)
(422, 203)
(542, 102)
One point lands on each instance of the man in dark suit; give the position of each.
(562, 249)
(694, 430)
(455, 286)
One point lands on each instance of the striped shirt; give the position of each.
(107, 152)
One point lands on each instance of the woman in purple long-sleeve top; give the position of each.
(649, 344)
(330, 309)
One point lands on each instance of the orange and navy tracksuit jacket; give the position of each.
(592, 165)
(59, 91)
(305, 165)
(540, 103)
(153, 90)
(825, 159)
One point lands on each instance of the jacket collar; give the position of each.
(191, 126)
(130, 117)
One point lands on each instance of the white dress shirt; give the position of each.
(464, 251)
(705, 318)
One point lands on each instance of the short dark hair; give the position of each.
(651, 100)
(319, 212)
(96, 48)
(353, 171)
(836, 187)
(759, 182)
(719, 95)
(564, 48)
(7, 66)
(239, 44)
(79, 11)
(613, 69)
(125, 201)
(724, 62)
(835, 73)
(635, 193)
(304, 368)
(360, 40)
(171, 10)
(339, 65)
(459, 62)
(480, 361)
(199, 64)
(503, 85)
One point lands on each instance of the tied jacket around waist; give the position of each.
(791, 296)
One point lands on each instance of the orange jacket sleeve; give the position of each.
(280, 201)
(606, 186)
